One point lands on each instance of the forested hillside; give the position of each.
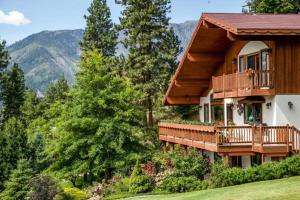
(46, 56)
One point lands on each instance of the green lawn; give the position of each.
(287, 189)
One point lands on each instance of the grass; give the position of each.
(287, 189)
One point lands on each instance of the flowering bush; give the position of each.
(149, 169)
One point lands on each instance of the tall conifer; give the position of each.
(153, 48)
(99, 33)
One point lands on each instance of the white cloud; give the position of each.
(14, 18)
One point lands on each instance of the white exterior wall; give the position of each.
(205, 100)
(252, 47)
(280, 113)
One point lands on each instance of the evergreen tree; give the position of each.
(4, 57)
(57, 91)
(32, 107)
(97, 131)
(273, 6)
(17, 187)
(4, 165)
(13, 140)
(99, 33)
(13, 91)
(153, 48)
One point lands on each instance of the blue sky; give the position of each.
(32, 16)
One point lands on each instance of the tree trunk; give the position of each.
(150, 118)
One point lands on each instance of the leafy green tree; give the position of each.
(273, 6)
(17, 187)
(153, 48)
(13, 92)
(97, 131)
(99, 33)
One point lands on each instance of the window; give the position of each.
(206, 112)
(253, 113)
(264, 75)
(265, 60)
(229, 114)
(236, 161)
(242, 64)
(256, 61)
(255, 160)
(217, 113)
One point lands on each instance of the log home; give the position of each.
(243, 70)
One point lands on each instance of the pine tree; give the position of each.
(153, 48)
(13, 146)
(273, 6)
(99, 33)
(4, 57)
(98, 128)
(17, 187)
(13, 92)
(57, 91)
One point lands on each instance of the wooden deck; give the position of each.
(244, 84)
(277, 141)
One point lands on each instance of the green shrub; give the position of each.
(203, 185)
(180, 121)
(123, 185)
(72, 194)
(141, 184)
(222, 176)
(192, 164)
(180, 184)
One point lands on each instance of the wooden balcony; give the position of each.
(244, 84)
(234, 140)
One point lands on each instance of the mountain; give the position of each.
(48, 55)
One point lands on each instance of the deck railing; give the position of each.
(248, 80)
(233, 135)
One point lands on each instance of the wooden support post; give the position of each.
(287, 138)
(187, 150)
(164, 147)
(171, 147)
(261, 136)
(225, 158)
(253, 132)
(262, 158)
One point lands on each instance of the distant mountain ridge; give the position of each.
(48, 55)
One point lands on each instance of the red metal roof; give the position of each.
(239, 22)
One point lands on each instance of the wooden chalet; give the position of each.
(243, 70)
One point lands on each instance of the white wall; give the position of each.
(252, 47)
(279, 114)
(205, 100)
(283, 114)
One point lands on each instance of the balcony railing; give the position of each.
(241, 84)
(262, 139)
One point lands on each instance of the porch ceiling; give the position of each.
(205, 53)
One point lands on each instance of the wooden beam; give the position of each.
(192, 83)
(205, 57)
(207, 24)
(188, 100)
(232, 37)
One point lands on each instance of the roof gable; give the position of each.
(207, 47)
